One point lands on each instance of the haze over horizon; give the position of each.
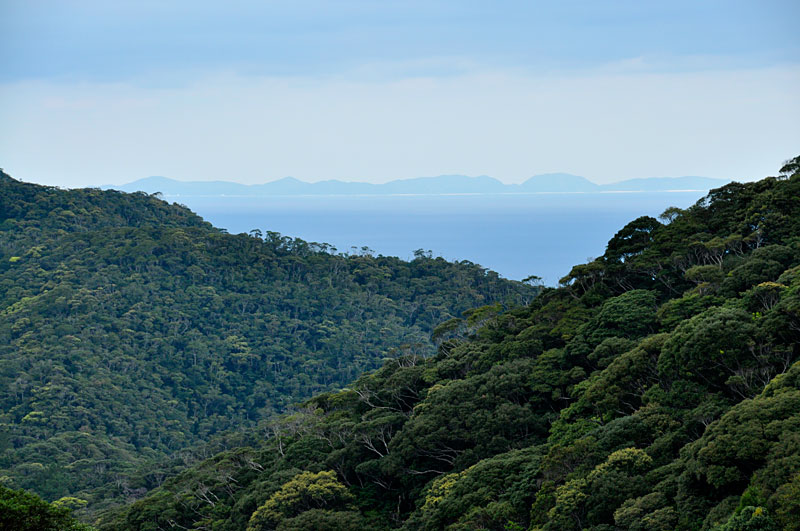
(561, 180)
(93, 93)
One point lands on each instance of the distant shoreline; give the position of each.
(441, 186)
(449, 194)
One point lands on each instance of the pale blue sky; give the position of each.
(98, 92)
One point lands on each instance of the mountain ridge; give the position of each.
(438, 185)
(130, 329)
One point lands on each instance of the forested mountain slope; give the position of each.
(657, 389)
(131, 329)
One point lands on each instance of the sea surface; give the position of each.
(516, 235)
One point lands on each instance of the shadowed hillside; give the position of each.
(131, 329)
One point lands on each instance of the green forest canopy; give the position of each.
(658, 388)
(132, 332)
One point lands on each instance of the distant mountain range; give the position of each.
(443, 184)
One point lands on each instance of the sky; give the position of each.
(97, 92)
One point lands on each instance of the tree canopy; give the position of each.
(657, 388)
(133, 334)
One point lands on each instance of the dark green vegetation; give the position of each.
(23, 511)
(130, 329)
(657, 389)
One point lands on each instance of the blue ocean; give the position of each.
(514, 234)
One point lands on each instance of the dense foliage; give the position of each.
(130, 329)
(657, 388)
(23, 511)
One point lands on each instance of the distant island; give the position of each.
(440, 185)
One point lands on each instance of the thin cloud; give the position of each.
(606, 126)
